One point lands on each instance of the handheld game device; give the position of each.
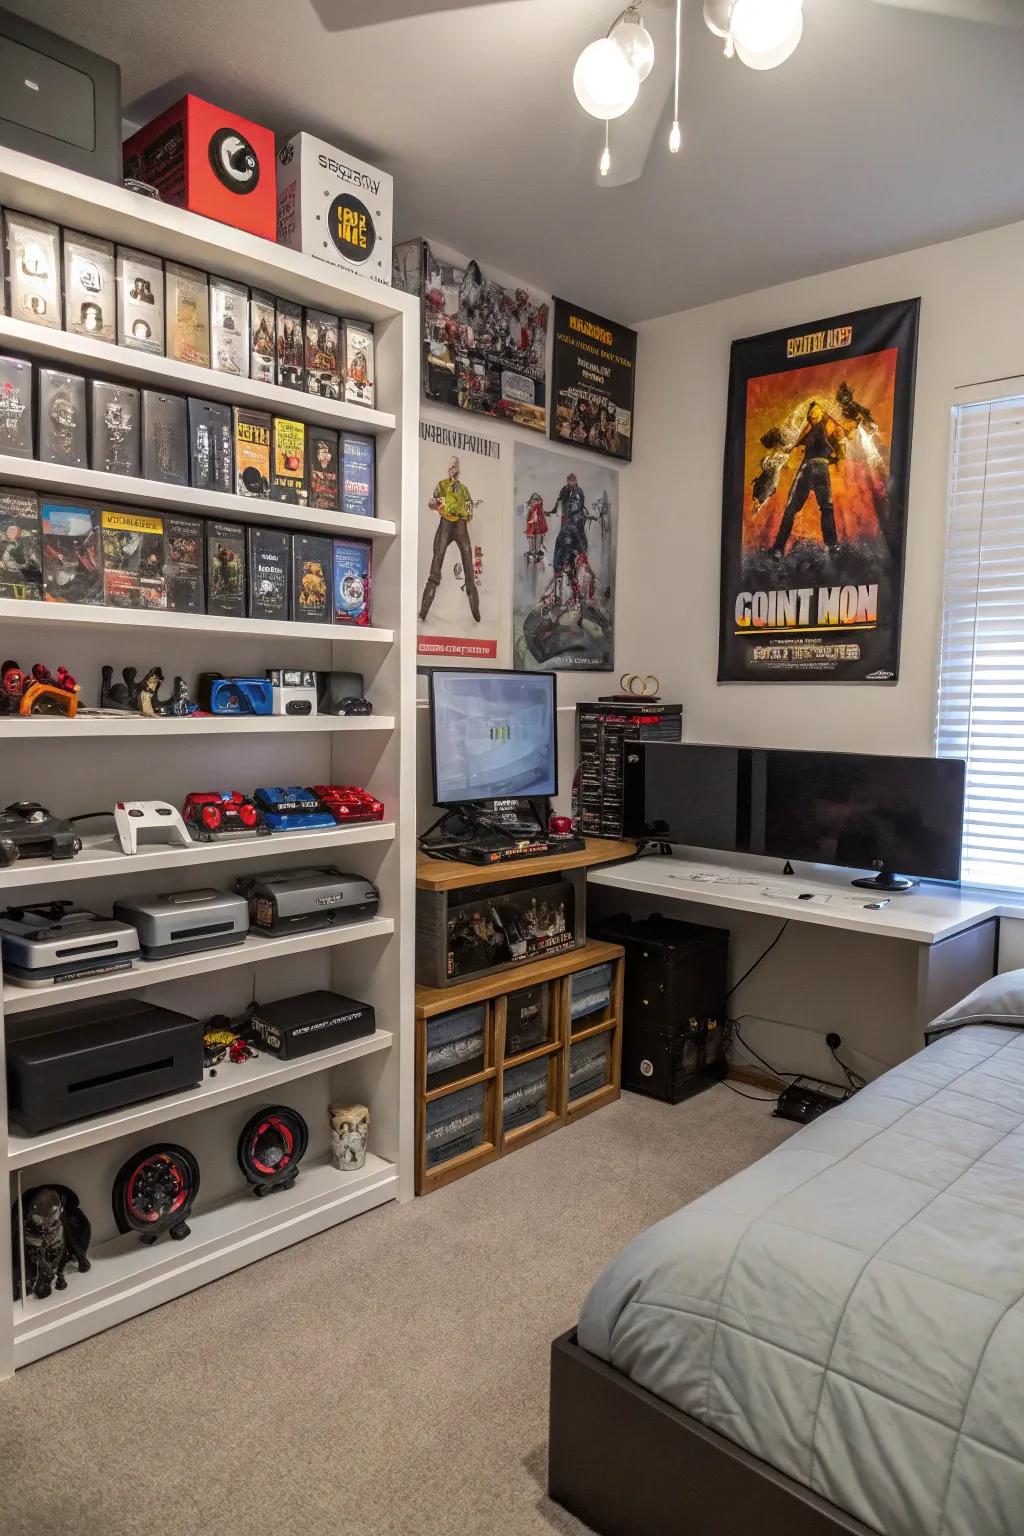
(154, 816)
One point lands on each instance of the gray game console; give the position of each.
(185, 922)
(53, 942)
(299, 900)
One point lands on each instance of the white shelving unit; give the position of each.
(85, 764)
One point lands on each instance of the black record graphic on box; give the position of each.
(154, 1192)
(351, 227)
(235, 163)
(271, 1147)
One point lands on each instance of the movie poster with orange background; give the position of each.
(814, 499)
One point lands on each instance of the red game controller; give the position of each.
(348, 803)
(221, 813)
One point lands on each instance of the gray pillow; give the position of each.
(997, 1001)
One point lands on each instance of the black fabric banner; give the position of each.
(593, 368)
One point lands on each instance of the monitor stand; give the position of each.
(886, 881)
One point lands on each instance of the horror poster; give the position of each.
(563, 562)
(817, 462)
(593, 368)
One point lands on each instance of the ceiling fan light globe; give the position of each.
(717, 16)
(606, 84)
(636, 43)
(765, 26)
(771, 58)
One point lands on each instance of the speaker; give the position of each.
(59, 101)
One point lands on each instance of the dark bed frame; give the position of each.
(628, 1464)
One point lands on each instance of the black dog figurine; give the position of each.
(56, 1230)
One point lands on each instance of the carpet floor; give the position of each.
(385, 1378)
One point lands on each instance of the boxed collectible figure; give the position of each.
(183, 563)
(21, 554)
(225, 569)
(290, 347)
(16, 435)
(187, 302)
(252, 452)
(323, 375)
(33, 269)
(211, 442)
(61, 418)
(358, 462)
(140, 300)
(288, 480)
(322, 468)
(262, 336)
(72, 554)
(360, 386)
(164, 437)
(311, 579)
(334, 207)
(89, 307)
(214, 162)
(229, 327)
(133, 559)
(114, 414)
(352, 576)
(268, 550)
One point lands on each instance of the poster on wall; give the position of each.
(593, 374)
(814, 516)
(563, 562)
(463, 494)
(484, 336)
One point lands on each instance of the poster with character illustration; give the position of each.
(564, 531)
(814, 516)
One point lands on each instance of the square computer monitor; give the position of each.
(492, 735)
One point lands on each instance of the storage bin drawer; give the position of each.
(455, 1045)
(527, 1015)
(525, 1094)
(590, 991)
(454, 1124)
(588, 1066)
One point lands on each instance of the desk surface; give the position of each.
(924, 915)
(447, 874)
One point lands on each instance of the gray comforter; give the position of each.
(851, 1308)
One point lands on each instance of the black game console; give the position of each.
(802, 1102)
(314, 1021)
(28, 831)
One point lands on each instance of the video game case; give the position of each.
(89, 292)
(288, 464)
(252, 451)
(225, 570)
(357, 351)
(183, 563)
(133, 559)
(32, 247)
(140, 300)
(323, 370)
(21, 550)
(352, 581)
(268, 551)
(211, 436)
(61, 418)
(322, 468)
(311, 579)
(72, 552)
(16, 420)
(290, 348)
(262, 337)
(229, 327)
(187, 301)
(358, 474)
(164, 437)
(115, 428)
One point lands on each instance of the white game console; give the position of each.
(156, 818)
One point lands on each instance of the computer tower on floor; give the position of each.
(674, 1021)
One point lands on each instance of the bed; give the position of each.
(833, 1340)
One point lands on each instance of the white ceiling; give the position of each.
(888, 129)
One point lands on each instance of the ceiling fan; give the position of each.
(610, 73)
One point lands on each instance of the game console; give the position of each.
(155, 819)
(212, 814)
(235, 695)
(186, 922)
(28, 831)
(294, 691)
(302, 900)
(348, 803)
(341, 693)
(292, 810)
(297, 1026)
(55, 941)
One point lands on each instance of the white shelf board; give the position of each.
(108, 360)
(147, 973)
(28, 729)
(127, 1277)
(66, 480)
(191, 623)
(101, 855)
(231, 1082)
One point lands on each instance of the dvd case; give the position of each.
(311, 579)
(61, 417)
(21, 553)
(133, 559)
(252, 452)
(164, 437)
(262, 336)
(72, 552)
(16, 435)
(288, 481)
(114, 438)
(140, 300)
(211, 446)
(183, 563)
(360, 386)
(352, 578)
(323, 375)
(322, 468)
(229, 327)
(268, 550)
(358, 478)
(187, 301)
(225, 569)
(33, 269)
(290, 350)
(90, 307)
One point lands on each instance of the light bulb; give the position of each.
(606, 84)
(675, 139)
(637, 45)
(605, 163)
(771, 58)
(766, 30)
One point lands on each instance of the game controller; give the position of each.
(348, 803)
(134, 816)
(216, 813)
(290, 810)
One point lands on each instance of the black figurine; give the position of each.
(56, 1230)
(141, 697)
(179, 702)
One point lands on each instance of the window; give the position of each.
(981, 673)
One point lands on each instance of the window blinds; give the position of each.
(981, 673)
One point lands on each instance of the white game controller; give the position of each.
(133, 816)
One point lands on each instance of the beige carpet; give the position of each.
(387, 1378)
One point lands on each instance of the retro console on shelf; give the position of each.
(132, 853)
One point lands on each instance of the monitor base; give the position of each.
(886, 882)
